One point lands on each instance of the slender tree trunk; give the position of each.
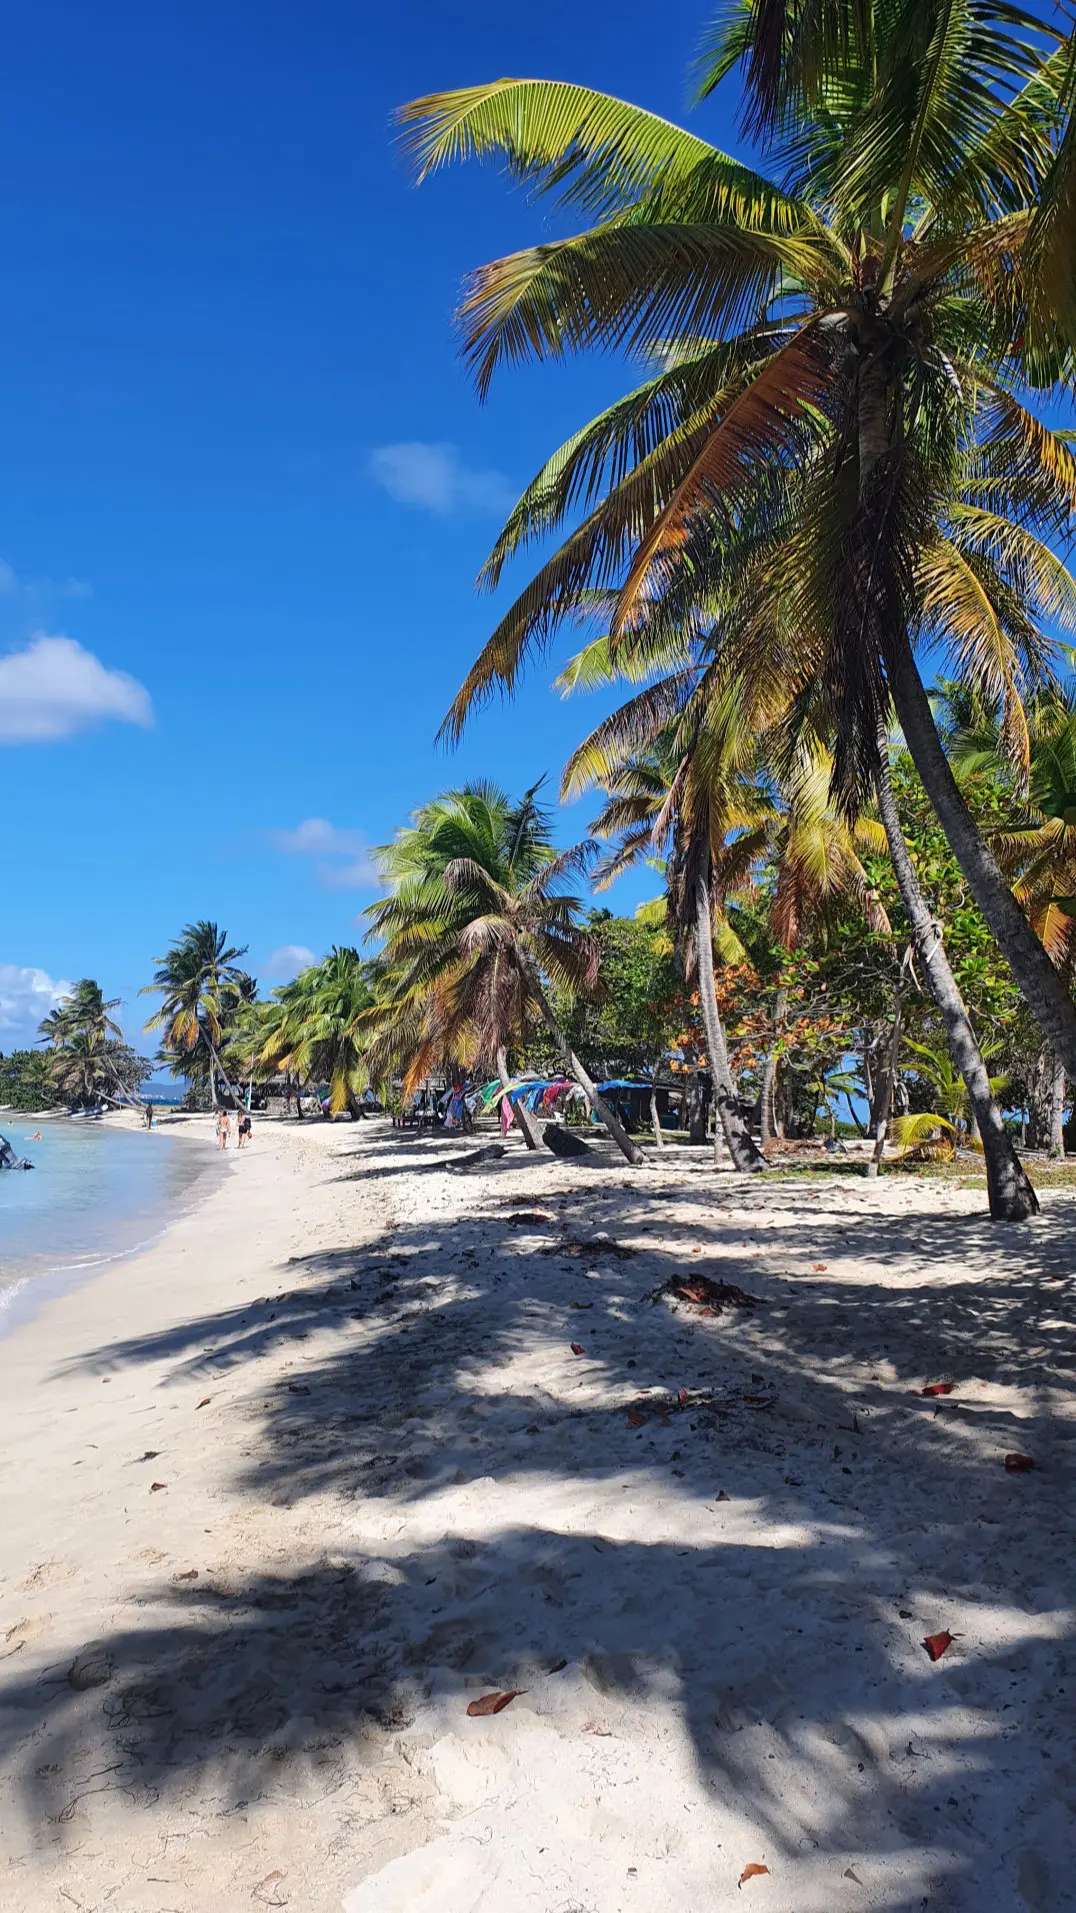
(1043, 988)
(868, 1077)
(522, 1118)
(884, 1103)
(741, 1145)
(597, 1102)
(1058, 1086)
(656, 1118)
(767, 1105)
(216, 1064)
(693, 1103)
(1011, 1197)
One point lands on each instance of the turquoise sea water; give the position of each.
(95, 1192)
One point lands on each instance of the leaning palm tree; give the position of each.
(312, 1028)
(83, 1030)
(859, 328)
(474, 927)
(201, 985)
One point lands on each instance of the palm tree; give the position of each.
(201, 986)
(312, 1027)
(828, 355)
(686, 790)
(1038, 848)
(705, 705)
(474, 924)
(85, 1040)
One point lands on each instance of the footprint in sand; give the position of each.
(48, 1574)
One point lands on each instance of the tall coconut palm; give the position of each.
(201, 984)
(312, 1027)
(854, 326)
(475, 923)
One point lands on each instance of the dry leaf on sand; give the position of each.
(491, 1703)
(577, 1348)
(936, 1644)
(1018, 1464)
(938, 1388)
(751, 1872)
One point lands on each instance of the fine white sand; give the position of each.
(390, 1487)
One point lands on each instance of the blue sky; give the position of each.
(232, 609)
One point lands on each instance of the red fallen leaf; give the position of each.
(204, 1403)
(936, 1644)
(683, 1396)
(578, 1349)
(1018, 1464)
(491, 1703)
(751, 1872)
(819, 1268)
(635, 1420)
(156, 1486)
(938, 1388)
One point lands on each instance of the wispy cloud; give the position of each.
(435, 477)
(344, 860)
(284, 964)
(54, 688)
(26, 996)
(37, 589)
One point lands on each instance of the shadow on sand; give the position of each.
(792, 1648)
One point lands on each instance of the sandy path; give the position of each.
(406, 1490)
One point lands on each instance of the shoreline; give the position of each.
(22, 1299)
(285, 1494)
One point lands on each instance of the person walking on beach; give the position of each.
(147, 1116)
(224, 1128)
(244, 1129)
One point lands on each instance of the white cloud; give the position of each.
(54, 688)
(26, 996)
(286, 963)
(435, 478)
(347, 863)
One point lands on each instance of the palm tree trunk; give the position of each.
(741, 1144)
(597, 1102)
(693, 1106)
(655, 1118)
(522, 1117)
(1011, 1197)
(767, 1111)
(214, 1065)
(1042, 986)
(881, 1107)
(1058, 1086)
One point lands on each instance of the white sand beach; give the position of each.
(285, 1495)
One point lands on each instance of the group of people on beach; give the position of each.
(224, 1128)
